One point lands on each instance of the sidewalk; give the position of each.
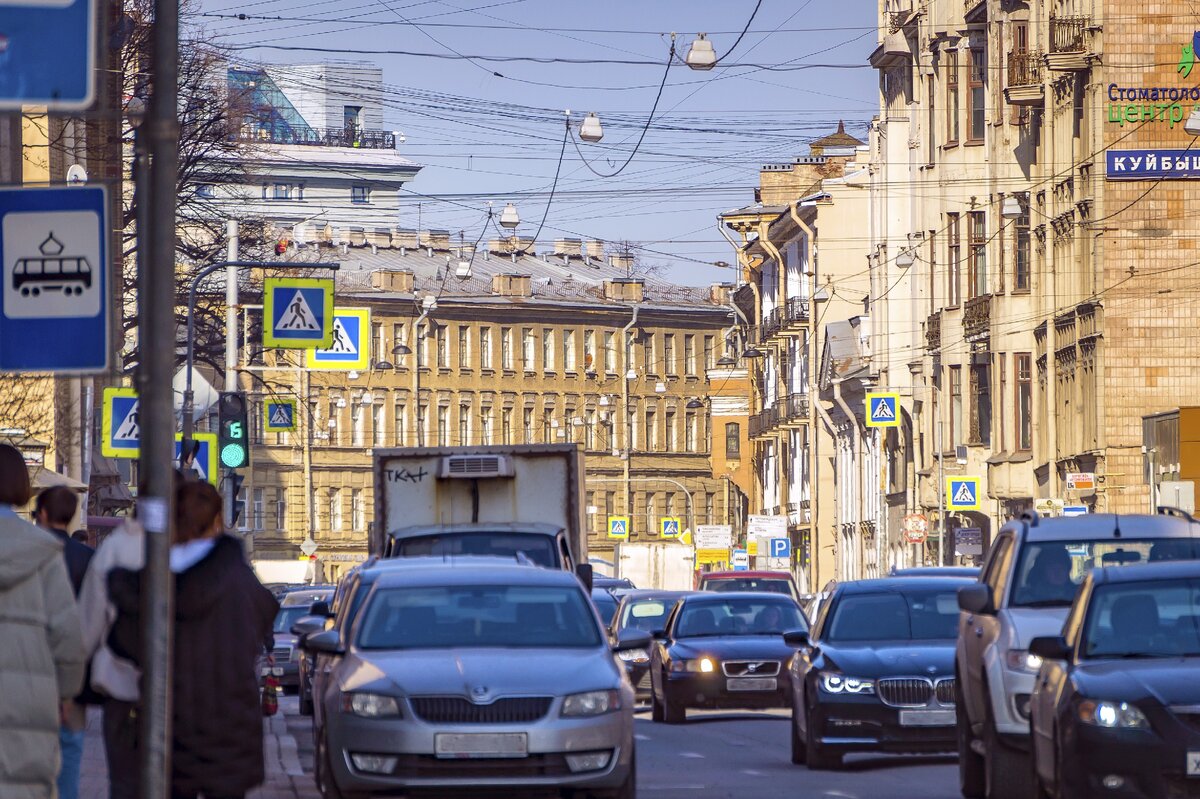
(285, 775)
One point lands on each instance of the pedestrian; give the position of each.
(53, 511)
(41, 659)
(223, 617)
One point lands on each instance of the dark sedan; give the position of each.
(641, 611)
(876, 674)
(1116, 706)
(723, 650)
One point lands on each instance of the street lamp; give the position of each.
(384, 365)
(590, 129)
(701, 55)
(752, 352)
(904, 258)
(509, 218)
(1192, 125)
(1011, 209)
(727, 360)
(694, 403)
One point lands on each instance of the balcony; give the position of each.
(763, 422)
(794, 410)
(933, 332)
(771, 323)
(1024, 86)
(977, 318)
(794, 316)
(1068, 44)
(317, 137)
(975, 10)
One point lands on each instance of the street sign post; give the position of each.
(298, 312)
(714, 536)
(54, 301)
(962, 493)
(279, 415)
(49, 54)
(968, 541)
(1074, 510)
(780, 548)
(740, 560)
(350, 349)
(883, 409)
(670, 527)
(205, 462)
(618, 528)
(120, 428)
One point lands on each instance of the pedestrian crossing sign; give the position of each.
(618, 527)
(279, 415)
(350, 347)
(205, 462)
(671, 528)
(962, 493)
(298, 312)
(883, 410)
(120, 431)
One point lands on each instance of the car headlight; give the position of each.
(634, 656)
(834, 683)
(1112, 715)
(1023, 660)
(591, 703)
(370, 706)
(702, 665)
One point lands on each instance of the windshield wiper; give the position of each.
(1046, 603)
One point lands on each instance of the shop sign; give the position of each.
(1152, 164)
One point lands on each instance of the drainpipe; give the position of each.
(625, 410)
(858, 459)
(417, 353)
(832, 428)
(811, 356)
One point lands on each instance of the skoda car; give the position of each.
(458, 678)
(723, 650)
(876, 674)
(1116, 711)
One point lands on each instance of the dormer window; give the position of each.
(360, 194)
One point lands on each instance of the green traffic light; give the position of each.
(233, 456)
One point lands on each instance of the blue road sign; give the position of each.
(618, 527)
(962, 493)
(740, 560)
(205, 462)
(350, 348)
(48, 56)
(121, 433)
(280, 415)
(54, 303)
(301, 312)
(883, 410)
(780, 548)
(671, 528)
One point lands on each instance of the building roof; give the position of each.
(838, 139)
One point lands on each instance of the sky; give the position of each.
(494, 129)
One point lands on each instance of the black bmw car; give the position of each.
(723, 650)
(876, 673)
(1116, 707)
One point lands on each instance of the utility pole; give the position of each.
(231, 350)
(156, 334)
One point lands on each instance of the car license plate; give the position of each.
(473, 745)
(751, 683)
(927, 718)
(1193, 764)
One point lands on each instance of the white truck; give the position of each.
(522, 501)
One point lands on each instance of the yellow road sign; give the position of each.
(618, 528)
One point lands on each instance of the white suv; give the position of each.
(1026, 587)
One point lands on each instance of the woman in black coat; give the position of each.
(223, 620)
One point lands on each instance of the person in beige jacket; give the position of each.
(41, 660)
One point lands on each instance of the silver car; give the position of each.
(456, 677)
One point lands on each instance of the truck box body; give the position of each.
(484, 500)
(665, 565)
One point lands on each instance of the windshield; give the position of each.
(606, 603)
(538, 548)
(750, 616)
(285, 618)
(1050, 572)
(1151, 619)
(647, 615)
(493, 616)
(770, 585)
(930, 614)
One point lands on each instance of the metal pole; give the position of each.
(310, 510)
(231, 305)
(156, 328)
(941, 486)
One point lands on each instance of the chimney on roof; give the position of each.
(593, 249)
(436, 240)
(572, 248)
(406, 238)
(511, 285)
(399, 281)
(624, 290)
(621, 260)
(720, 293)
(379, 237)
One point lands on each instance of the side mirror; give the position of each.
(319, 608)
(1050, 647)
(584, 572)
(796, 638)
(634, 639)
(327, 641)
(307, 625)
(976, 599)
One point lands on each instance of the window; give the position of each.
(689, 355)
(527, 422)
(485, 425)
(710, 352)
(589, 351)
(710, 508)
(256, 422)
(360, 194)
(589, 430)
(358, 510)
(352, 121)
(981, 405)
(443, 425)
(933, 275)
(206, 191)
(377, 342)
(399, 339)
(669, 504)
(485, 347)
(422, 340)
(333, 421)
(547, 425)
(733, 441)
(442, 345)
(650, 352)
(930, 120)
(1001, 396)
(1023, 402)
(527, 349)
(280, 511)
(281, 191)
(977, 281)
(953, 261)
(669, 365)
(422, 423)
(689, 431)
(976, 99)
(956, 414)
(257, 512)
(651, 430)
(568, 339)
(335, 509)
(464, 347)
(951, 96)
(671, 439)
(547, 349)
(380, 425)
(651, 498)
(400, 420)
(506, 348)
(506, 432)
(1021, 250)
(610, 503)
(610, 352)
(464, 425)
(358, 422)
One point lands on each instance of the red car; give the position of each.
(772, 582)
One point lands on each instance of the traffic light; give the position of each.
(237, 506)
(233, 435)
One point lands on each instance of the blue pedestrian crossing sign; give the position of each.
(962, 493)
(299, 312)
(279, 415)
(670, 527)
(780, 548)
(49, 54)
(205, 462)
(350, 347)
(883, 409)
(618, 527)
(121, 432)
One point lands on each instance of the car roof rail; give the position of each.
(1167, 510)
(1031, 517)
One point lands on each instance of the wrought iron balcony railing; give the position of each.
(1067, 34)
(317, 137)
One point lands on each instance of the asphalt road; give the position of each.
(743, 756)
